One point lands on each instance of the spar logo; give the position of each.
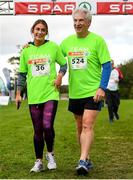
(85, 5)
(44, 7)
(121, 8)
(114, 8)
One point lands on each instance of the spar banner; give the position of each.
(65, 7)
(115, 7)
(47, 7)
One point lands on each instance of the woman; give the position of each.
(38, 67)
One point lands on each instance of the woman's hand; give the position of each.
(18, 99)
(58, 81)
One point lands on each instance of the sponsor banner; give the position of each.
(114, 8)
(44, 1)
(44, 8)
(91, 5)
(65, 7)
(6, 7)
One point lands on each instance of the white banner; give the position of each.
(4, 100)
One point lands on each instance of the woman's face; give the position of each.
(39, 32)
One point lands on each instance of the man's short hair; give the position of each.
(85, 11)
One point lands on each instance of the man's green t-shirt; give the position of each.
(40, 65)
(85, 58)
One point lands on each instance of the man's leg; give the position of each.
(78, 119)
(116, 102)
(86, 139)
(87, 133)
(110, 105)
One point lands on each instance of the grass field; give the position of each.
(112, 151)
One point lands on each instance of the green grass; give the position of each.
(112, 151)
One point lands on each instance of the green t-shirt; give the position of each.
(40, 65)
(85, 57)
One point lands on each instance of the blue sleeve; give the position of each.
(63, 68)
(105, 75)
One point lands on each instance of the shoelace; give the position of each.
(36, 163)
(51, 158)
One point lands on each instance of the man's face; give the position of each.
(81, 24)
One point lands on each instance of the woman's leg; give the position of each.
(36, 112)
(49, 113)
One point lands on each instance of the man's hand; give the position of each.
(25, 46)
(100, 95)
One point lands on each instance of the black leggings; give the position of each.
(43, 116)
(113, 101)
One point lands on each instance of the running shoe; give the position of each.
(116, 116)
(89, 164)
(38, 167)
(51, 161)
(84, 167)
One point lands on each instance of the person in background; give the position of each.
(112, 93)
(38, 68)
(89, 71)
(2, 87)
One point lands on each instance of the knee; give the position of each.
(87, 126)
(49, 132)
(38, 135)
(47, 128)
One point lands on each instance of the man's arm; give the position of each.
(100, 94)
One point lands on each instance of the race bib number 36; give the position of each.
(78, 62)
(40, 69)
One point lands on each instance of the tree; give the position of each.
(126, 86)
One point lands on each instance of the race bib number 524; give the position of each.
(78, 62)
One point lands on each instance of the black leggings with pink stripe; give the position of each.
(43, 116)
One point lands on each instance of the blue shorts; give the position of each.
(77, 106)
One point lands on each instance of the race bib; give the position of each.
(40, 69)
(79, 62)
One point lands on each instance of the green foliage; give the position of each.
(124, 92)
(126, 86)
(14, 60)
(131, 93)
(112, 151)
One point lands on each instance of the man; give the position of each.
(87, 55)
(112, 93)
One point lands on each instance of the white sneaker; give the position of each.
(38, 167)
(51, 161)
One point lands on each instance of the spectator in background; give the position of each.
(112, 93)
(2, 88)
(9, 82)
(121, 77)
